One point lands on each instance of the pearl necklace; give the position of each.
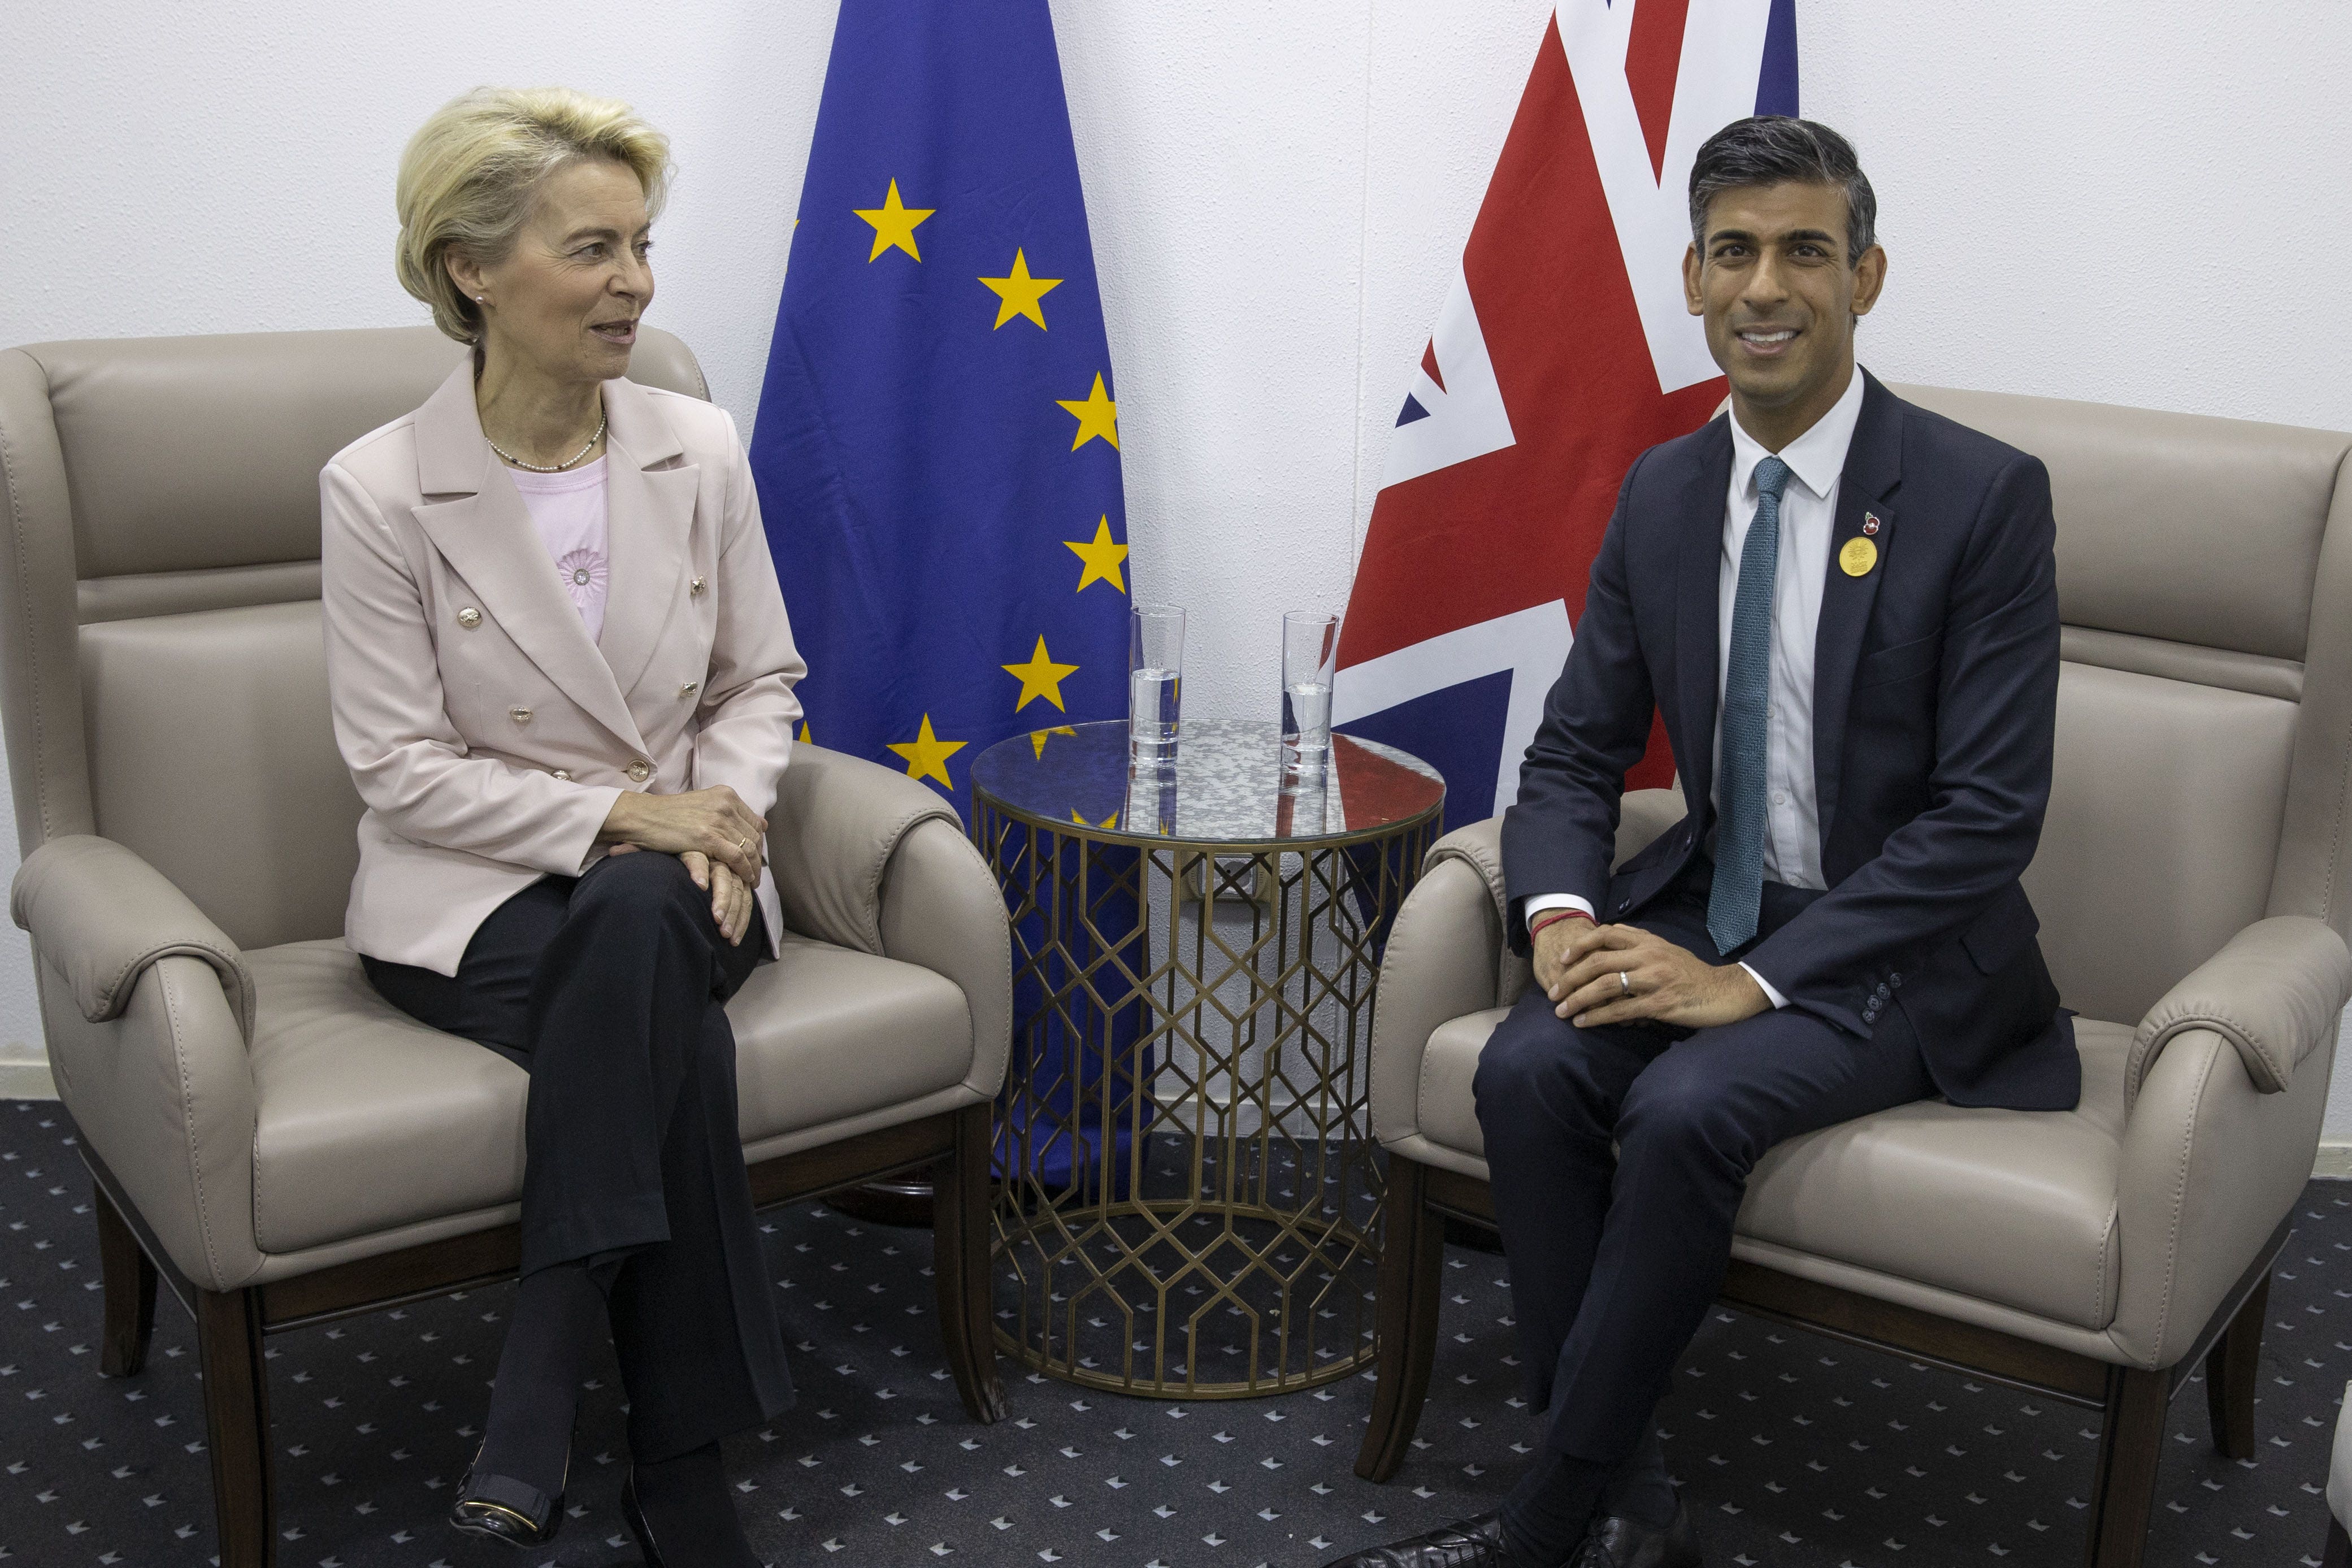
(551, 467)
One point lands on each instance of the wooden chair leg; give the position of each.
(129, 1278)
(2340, 1547)
(2131, 1442)
(959, 1232)
(1413, 1266)
(236, 1425)
(2232, 1369)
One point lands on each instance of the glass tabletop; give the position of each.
(1226, 785)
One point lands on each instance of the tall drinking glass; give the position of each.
(1155, 681)
(1310, 654)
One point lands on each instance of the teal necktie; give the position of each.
(1738, 889)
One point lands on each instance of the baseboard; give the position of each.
(2333, 1164)
(24, 1073)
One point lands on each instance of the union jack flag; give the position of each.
(1561, 351)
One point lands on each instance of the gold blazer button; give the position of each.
(469, 618)
(520, 715)
(694, 587)
(562, 774)
(640, 770)
(688, 689)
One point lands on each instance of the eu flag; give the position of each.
(937, 459)
(936, 447)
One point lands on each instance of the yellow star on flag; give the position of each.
(1038, 737)
(1109, 821)
(1102, 556)
(927, 754)
(894, 224)
(1098, 415)
(804, 733)
(1018, 294)
(1039, 677)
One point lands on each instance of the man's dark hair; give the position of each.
(1772, 148)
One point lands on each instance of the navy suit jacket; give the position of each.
(1934, 706)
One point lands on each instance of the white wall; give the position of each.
(2137, 203)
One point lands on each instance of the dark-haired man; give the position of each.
(1845, 610)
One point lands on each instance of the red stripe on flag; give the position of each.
(1653, 55)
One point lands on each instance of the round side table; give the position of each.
(1189, 1202)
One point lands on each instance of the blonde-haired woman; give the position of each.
(561, 678)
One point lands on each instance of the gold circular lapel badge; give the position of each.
(1857, 558)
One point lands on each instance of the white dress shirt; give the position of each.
(1793, 828)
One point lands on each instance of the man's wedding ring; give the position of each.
(1623, 983)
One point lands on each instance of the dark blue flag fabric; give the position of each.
(937, 439)
(937, 453)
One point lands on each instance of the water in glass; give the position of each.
(1311, 647)
(1151, 708)
(1155, 681)
(1307, 718)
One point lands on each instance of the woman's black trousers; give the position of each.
(610, 990)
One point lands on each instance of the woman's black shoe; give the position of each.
(635, 1517)
(504, 1508)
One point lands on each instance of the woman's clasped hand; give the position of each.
(722, 842)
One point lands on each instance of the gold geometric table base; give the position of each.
(1240, 1334)
(1189, 1204)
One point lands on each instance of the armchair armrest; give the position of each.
(103, 916)
(2222, 1120)
(1444, 957)
(867, 858)
(2273, 991)
(148, 1007)
(838, 821)
(942, 909)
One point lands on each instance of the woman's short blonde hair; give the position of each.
(469, 175)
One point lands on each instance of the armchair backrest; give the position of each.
(2204, 762)
(163, 674)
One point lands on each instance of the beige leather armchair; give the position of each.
(2194, 884)
(269, 1136)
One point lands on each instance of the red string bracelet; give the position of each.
(1552, 917)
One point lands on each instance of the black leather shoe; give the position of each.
(1467, 1543)
(504, 1508)
(634, 1517)
(1620, 1542)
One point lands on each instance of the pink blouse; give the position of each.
(568, 510)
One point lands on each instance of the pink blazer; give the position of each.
(487, 735)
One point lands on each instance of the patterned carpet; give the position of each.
(1795, 1450)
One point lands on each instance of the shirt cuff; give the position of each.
(1543, 903)
(1771, 995)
